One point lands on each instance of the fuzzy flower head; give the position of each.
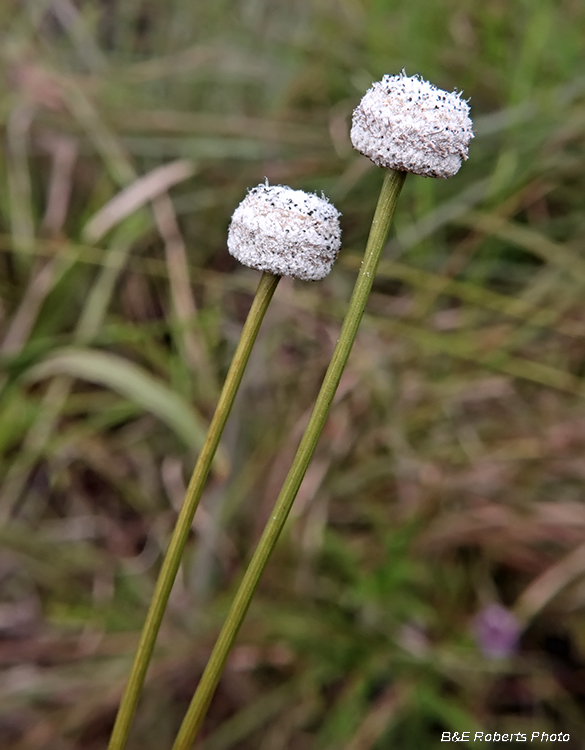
(409, 125)
(285, 232)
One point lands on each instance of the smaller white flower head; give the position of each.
(285, 232)
(409, 125)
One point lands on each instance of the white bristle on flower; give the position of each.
(285, 232)
(407, 124)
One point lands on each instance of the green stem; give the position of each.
(380, 226)
(172, 560)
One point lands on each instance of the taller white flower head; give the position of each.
(285, 232)
(406, 123)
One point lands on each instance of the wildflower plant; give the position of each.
(404, 125)
(282, 232)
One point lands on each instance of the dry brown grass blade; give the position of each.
(63, 150)
(550, 584)
(141, 192)
(150, 188)
(511, 535)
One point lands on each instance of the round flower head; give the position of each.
(409, 125)
(285, 232)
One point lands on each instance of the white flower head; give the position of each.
(409, 125)
(285, 232)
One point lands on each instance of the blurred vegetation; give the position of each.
(451, 473)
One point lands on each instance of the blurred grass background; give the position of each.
(451, 473)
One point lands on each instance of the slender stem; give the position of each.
(380, 226)
(172, 560)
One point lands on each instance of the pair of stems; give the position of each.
(264, 293)
(189, 729)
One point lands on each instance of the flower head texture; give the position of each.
(285, 232)
(407, 124)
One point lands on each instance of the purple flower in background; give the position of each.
(497, 632)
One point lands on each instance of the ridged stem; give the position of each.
(172, 560)
(202, 698)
